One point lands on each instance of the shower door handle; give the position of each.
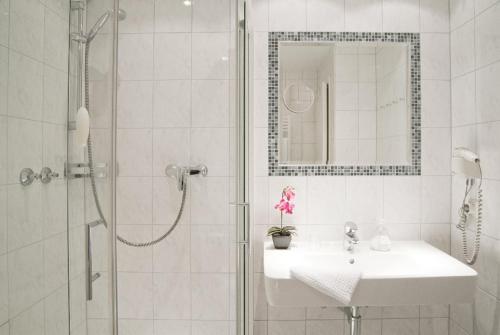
(89, 273)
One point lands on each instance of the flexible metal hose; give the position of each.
(462, 225)
(92, 174)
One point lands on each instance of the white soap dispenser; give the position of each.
(381, 241)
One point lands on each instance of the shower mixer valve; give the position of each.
(180, 172)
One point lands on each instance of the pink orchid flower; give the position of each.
(285, 205)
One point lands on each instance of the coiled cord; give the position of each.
(92, 174)
(462, 225)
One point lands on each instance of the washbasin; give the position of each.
(412, 273)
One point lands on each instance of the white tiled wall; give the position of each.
(417, 207)
(33, 112)
(475, 83)
(174, 108)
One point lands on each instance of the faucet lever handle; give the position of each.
(350, 228)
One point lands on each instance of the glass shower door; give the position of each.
(33, 122)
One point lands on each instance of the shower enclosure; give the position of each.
(124, 167)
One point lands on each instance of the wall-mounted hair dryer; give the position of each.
(467, 163)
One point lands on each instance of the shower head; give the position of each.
(102, 21)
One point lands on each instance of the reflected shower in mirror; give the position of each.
(344, 103)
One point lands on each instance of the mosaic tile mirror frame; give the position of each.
(279, 169)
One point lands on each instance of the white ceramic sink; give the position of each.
(412, 273)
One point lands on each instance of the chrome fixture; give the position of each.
(46, 175)
(179, 173)
(27, 176)
(354, 319)
(101, 21)
(90, 275)
(81, 170)
(350, 236)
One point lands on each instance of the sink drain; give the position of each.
(351, 261)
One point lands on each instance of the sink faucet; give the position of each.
(350, 237)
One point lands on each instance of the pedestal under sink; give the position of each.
(412, 273)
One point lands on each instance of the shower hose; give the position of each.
(463, 215)
(93, 183)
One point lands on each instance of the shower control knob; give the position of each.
(47, 174)
(27, 176)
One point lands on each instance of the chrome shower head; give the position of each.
(122, 15)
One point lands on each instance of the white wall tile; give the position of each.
(210, 296)
(210, 56)
(366, 193)
(136, 57)
(26, 28)
(136, 295)
(435, 56)
(436, 326)
(320, 14)
(436, 151)
(134, 259)
(260, 55)
(363, 15)
(400, 326)
(487, 99)
(400, 204)
(140, 16)
(173, 254)
(209, 212)
(436, 103)
(210, 146)
(171, 16)
(167, 200)
(4, 76)
(210, 103)
(320, 327)
(461, 11)
(488, 36)
(211, 16)
(179, 327)
(286, 328)
(55, 42)
(25, 278)
(401, 15)
(30, 321)
(287, 15)
(56, 312)
(25, 87)
(135, 327)
(209, 248)
(134, 153)
(434, 16)
(3, 150)
(436, 199)
(135, 104)
(172, 296)
(172, 56)
(462, 49)
(55, 99)
(260, 11)
(462, 101)
(4, 23)
(55, 263)
(172, 103)
(169, 147)
(4, 290)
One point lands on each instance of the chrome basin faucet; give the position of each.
(350, 236)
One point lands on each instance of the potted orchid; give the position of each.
(282, 235)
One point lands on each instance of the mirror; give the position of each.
(344, 103)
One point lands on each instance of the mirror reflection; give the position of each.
(344, 103)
